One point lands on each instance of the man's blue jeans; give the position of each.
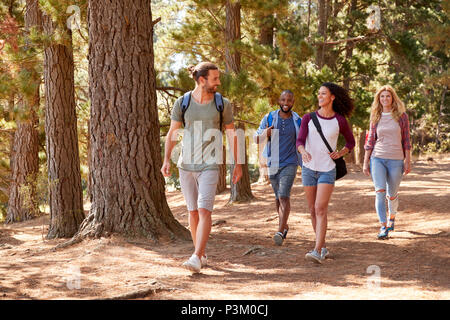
(386, 175)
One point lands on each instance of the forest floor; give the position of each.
(244, 263)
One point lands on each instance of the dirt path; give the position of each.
(244, 263)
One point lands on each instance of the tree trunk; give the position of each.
(440, 116)
(232, 34)
(222, 184)
(359, 147)
(349, 44)
(322, 29)
(63, 161)
(22, 203)
(127, 186)
(241, 191)
(266, 29)
(352, 158)
(309, 18)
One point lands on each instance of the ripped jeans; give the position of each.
(386, 175)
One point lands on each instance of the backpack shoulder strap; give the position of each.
(218, 100)
(319, 129)
(269, 119)
(185, 105)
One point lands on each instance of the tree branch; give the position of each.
(156, 21)
(215, 19)
(358, 38)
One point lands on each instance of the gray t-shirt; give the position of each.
(202, 143)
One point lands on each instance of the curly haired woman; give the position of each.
(319, 169)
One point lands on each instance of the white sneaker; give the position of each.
(204, 260)
(314, 256)
(324, 253)
(193, 263)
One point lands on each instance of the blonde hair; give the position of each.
(398, 107)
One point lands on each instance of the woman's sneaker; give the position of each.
(314, 256)
(324, 253)
(278, 238)
(193, 263)
(391, 227)
(384, 232)
(204, 261)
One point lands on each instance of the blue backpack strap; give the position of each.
(185, 104)
(299, 122)
(270, 119)
(218, 100)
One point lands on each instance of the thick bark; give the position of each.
(359, 147)
(322, 30)
(309, 18)
(63, 161)
(440, 116)
(22, 203)
(350, 44)
(127, 187)
(241, 191)
(266, 29)
(222, 184)
(348, 56)
(232, 34)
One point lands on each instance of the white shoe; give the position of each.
(193, 263)
(324, 253)
(204, 260)
(314, 256)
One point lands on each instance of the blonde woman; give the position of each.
(388, 153)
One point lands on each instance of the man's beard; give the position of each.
(211, 89)
(289, 110)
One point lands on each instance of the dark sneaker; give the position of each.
(391, 226)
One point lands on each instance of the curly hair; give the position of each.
(342, 103)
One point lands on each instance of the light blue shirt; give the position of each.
(276, 148)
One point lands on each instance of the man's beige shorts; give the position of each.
(199, 188)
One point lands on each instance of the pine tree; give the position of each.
(127, 188)
(66, 200)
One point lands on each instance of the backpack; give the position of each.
(218, 100)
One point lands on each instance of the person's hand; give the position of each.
(268, 131)
(306, 157)
(237, 173)
(165, 169)
(335, 154)
(407, 167)
(366, 169)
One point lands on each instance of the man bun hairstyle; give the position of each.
(201, 70)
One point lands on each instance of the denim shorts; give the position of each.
(311, 178)
(283, 180)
